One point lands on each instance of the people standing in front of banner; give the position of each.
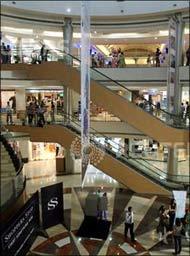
(188, 56)
(172, 212)
(129, 223)
(177, 236)
(157, 55)
(103, 206)
(9, 113)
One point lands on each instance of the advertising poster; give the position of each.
(171, 83)
(52, 205)
(85, 85)
(180, 197)
(19, 233)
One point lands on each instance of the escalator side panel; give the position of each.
(111, 166)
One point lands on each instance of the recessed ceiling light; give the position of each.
(156, 38)
(95, 32)
(68, 10)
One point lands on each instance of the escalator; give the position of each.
(165, 127)
(137, 174)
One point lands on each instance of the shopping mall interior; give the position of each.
(95, 121)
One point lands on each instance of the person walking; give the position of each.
(103, 206)
(42, 53)
(129, 223)
(163, 224)
(121, 61)
(172, 212)
(158, 109)
(177, 236)
(9, 113)
(157, 55)
(182, 111)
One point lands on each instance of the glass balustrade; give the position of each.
(13, 180)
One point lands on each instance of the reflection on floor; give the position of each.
(62, 238)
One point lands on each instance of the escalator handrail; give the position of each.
(157, 179)
(116, 82)
(134, 159)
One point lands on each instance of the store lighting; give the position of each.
(76, 35)
(186, 31)
(17, 30)
(156, 37)
(53, 34)
(68, 10)
(163, 32)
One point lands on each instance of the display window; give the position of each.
(43, 151)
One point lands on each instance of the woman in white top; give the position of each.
(129, 223)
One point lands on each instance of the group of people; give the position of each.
(5, 54)
(116, 59)
(170, 225)
(35, 111)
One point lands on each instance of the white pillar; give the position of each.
(172, 169)
(25, 149)
(21, 103)
(19, 50)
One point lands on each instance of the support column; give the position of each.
(68, 38)
(179, 61)
(69, 162)
(19, 51)
(25, 150)
(176, 42)
(67, 104)
(172, 163)
(21, 103)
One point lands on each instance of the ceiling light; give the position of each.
(156, 38)
(95, 32)
(53, 33)
(164, 32)
(68, 10)
(17, 30)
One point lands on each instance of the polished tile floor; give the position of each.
(42, 173)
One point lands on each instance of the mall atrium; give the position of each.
(95, 115)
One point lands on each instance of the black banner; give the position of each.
(52, 205)
(19, 233)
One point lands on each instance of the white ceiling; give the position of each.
(99, 8)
